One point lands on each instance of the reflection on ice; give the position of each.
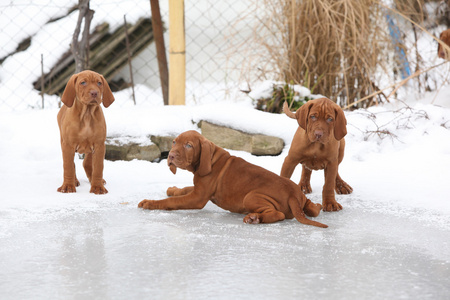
(130, 253)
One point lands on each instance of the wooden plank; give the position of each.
(108, 54)
(158, 31)
(177, 53)
(113, 66)
(112, 62)
(56, 79)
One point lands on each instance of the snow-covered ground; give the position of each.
(391, 240)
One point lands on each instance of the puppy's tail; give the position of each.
(288, 112)
(298, 213)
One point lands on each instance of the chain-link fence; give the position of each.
(229, 46)
(36, 36)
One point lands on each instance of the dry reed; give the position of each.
(332, 46)
(341, 49)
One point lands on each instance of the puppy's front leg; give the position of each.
(329, 202)
(70, 179)
(190, 201)
(97, 182)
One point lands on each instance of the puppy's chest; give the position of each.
(314, 163)
(316, 157)
(88, 136)
(85, 141)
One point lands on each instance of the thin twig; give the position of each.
(42, 79)
(395, 85)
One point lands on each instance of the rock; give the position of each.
(237, 140)
(119, 150)
(115, 152)
(155, 148)
(226, 137)
(164, 143)
(266, 145)
(149, 153)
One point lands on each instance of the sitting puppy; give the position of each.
(444, 37)
(232, 184)
(318, 144)
(83, 129)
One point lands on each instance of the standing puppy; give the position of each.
(318, 144)
(83, 129)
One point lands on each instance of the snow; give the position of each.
(398, 154)
(390, 241)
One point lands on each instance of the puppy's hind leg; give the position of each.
(174, 191)
(342, 187)
(304, 183)
(87, 164)
(261, 210)
(312, 209)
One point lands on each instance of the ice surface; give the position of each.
(115, 251)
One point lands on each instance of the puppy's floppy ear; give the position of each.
(69, 94)
(340, 125)
(108, 97)
(206, 155)
(173, 169)
(302, 114)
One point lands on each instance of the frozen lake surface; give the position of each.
(117, 251)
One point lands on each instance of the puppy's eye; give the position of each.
(188, 146)
(83, 83)
(99, 83)
(329, 120)
(173, 142)
(313, 118)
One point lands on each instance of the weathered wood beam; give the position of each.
(108, 54)
(177, 53)
(158, 31)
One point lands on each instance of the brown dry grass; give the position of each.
(330, 46)
(338, 48)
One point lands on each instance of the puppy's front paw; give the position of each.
(306, 188)
(98, 190)
(67, 188)
(252, 218)
(343, 188)
(331, 206)
(147, 204)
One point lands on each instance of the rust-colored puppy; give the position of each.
(83, 129)
(445, 37)
(232, 184)
(318, 144)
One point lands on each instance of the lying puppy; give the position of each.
(232, 184)
(444, 37)
(318, 144)
(83, 129)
